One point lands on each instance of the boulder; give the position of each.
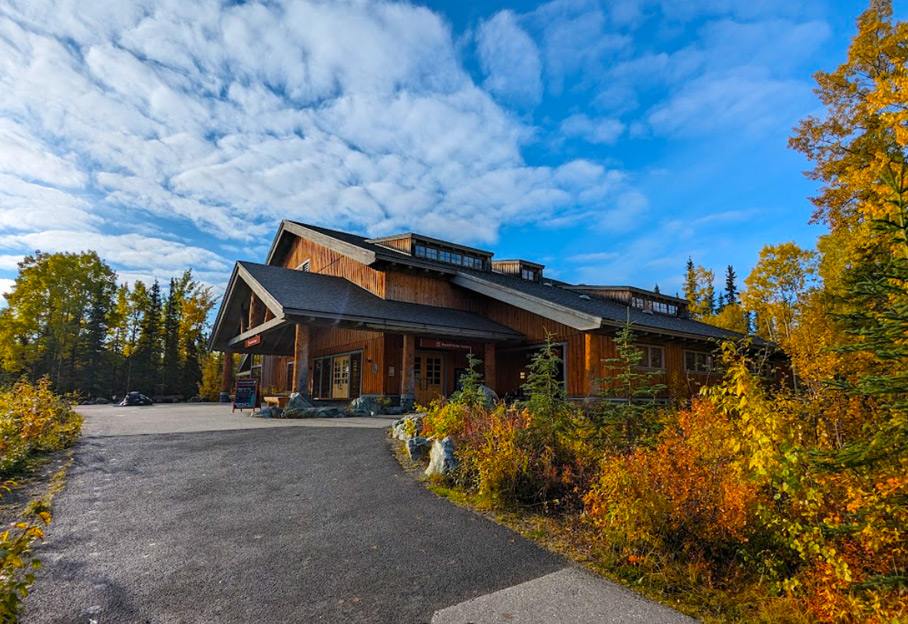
(313, 412)
(369, 405)
(135, 398)
(265, 412)
(224, 397)
(406, 428)
(418, 447)
(441, 459)
(195, 399)
(297, 403)
(491, 397)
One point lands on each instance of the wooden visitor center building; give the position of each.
(335, 316)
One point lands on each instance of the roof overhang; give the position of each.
(291, 227)
(274, 334)
(561, 314)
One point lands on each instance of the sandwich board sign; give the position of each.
(245, 396)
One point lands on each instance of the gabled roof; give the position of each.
(353, 246)
(324, 299)
(560, 302)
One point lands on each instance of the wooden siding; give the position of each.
(333, 340)
(328, 262)
(535, 328)
(404, 243)
(433, 291)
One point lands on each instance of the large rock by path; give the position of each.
(441, 459)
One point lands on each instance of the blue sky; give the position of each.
(608, 140)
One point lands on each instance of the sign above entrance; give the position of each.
(251, 342)
(431, 343)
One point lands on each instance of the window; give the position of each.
(290, 375)
(698, 362)
(639, 302)
(653, 357)
(673, 310)
(449, 257)
(304, 267)
(528, 274)
(337, 376)
(660, 307)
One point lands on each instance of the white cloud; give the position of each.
(510, 59)
(602, 131)
(6, 285)
(747, 101)
(132, 251)
(10, 262)
(227, 118)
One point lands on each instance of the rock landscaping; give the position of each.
(442, 459)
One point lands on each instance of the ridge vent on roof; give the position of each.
(587, 297)
(549, 284)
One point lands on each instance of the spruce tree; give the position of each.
(172, 364)
(146, 367)
(731, 287)
(628, 413)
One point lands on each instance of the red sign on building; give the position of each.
(251, 342)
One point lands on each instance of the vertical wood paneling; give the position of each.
(325, 261)
(433, 291)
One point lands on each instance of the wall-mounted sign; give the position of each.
(432, 343)
(251, 342)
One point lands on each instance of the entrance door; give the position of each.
(340, 377)
(429, 373)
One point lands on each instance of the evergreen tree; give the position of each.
(546, 396)
(629, 412)
(731, 287)
(172, 364)
(656, 289)
(147, 365)
(691, 285)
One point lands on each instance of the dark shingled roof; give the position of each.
(611, 312)
(310, 294)
(614, 311)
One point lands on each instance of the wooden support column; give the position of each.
(488, 364)
(226, 377)
(301, 360)
(592, 363)
(408, 373)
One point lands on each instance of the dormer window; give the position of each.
(528, 274)
(448, 256)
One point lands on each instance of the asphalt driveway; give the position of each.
(273, 523)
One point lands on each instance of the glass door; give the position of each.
(340, 378)
(429, 373)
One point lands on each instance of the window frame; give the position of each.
(710, 365)
(647, 349)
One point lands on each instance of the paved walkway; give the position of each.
(191, 514)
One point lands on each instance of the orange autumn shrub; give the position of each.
(688, 492)
(509, 456)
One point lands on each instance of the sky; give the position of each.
(608, 140)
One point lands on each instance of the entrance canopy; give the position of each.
(287, 297)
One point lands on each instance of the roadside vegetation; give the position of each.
(68, 320)
(34, 423)
(756, 501)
